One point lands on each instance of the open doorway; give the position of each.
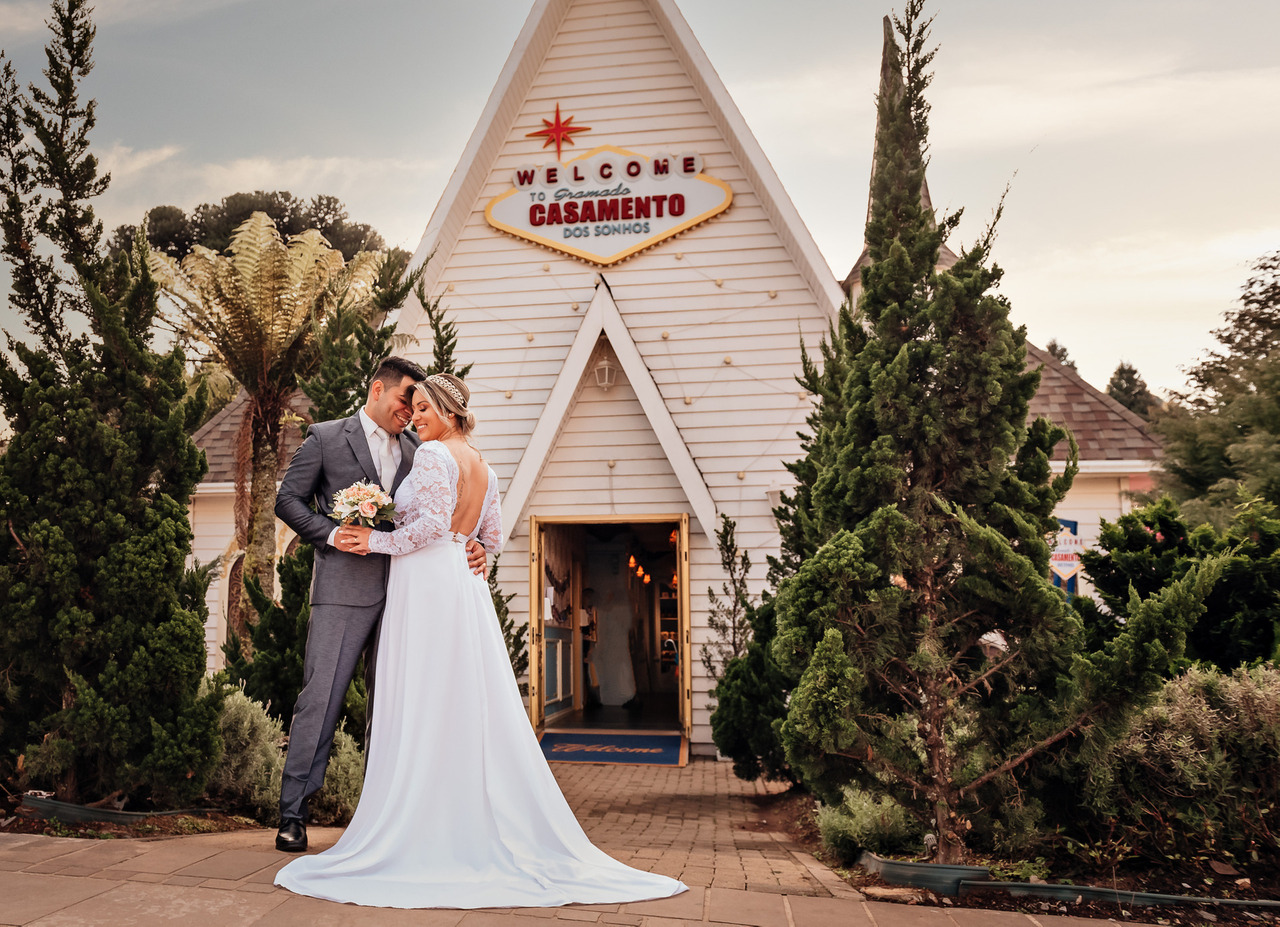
(609, 624)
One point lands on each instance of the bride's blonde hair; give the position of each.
(449, 395)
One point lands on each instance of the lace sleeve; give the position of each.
(429, 507)
(490, 534)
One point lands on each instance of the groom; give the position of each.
(347, 591)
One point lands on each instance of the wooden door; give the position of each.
(686, 633)
(536, 623)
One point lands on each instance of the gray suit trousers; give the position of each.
(336, 636)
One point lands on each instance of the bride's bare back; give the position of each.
(473, 485)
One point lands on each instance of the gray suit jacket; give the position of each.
(335, 455)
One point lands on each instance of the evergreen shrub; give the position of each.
(863, 821)
(247, 778)
(336, 802)
(1198, 775)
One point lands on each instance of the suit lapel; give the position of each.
(360, 447)
(408, 447)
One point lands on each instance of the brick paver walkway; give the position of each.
(698, 824)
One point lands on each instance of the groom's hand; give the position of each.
(476, 557)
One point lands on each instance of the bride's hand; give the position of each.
(354, 539)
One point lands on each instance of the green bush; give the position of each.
(1199, 773)
(336, 802)
(247, 779)
(863, 821)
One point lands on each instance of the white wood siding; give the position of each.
(716, 314)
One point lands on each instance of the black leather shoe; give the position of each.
(292, 836)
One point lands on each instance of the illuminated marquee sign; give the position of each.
(609, 203)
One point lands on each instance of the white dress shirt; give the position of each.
(375, 451)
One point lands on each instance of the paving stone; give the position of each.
(909, 915)
(625, 920)
(168, 857)
(489, 919)
(257, 887)
(300, 911)
(730, 906)
(182, 880)
(828, 912)
(971, 917)
(230, 864)
(686, 904)
(41, 849)
(268, 874)
(150, 877)
(29, 896)
(139, 905)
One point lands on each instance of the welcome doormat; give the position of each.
(629, 749)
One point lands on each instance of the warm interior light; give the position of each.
(675, 579)
(639, 571)
(631, 563)
(646, 579)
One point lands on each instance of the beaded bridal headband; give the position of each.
(449, 388)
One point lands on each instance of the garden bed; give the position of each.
(792, 813)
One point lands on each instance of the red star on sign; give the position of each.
(559, 132)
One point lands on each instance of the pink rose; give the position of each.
(368, 509)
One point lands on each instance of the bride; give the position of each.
(459, 808)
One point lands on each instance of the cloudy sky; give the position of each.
(1137, 138)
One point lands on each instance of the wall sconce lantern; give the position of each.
(606, 374)
(646, 579)
(639, 571)
(631, 562)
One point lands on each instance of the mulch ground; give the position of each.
(15, 819)
(792, 813)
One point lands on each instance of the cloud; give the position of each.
(22, 20)
(1083, 97)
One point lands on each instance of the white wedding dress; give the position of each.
(459, 808)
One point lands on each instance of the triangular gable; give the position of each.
(602, 317)
(1112, 439)
(504, 104)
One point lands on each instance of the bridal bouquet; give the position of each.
(362, 503)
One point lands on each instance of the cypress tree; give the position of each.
(933, 657)
(99, 637)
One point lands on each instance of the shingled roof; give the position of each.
(217, 437)
(1104, 429)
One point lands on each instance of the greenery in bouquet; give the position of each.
(362, 503)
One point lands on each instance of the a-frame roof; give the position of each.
(500, 112)
(602, 318)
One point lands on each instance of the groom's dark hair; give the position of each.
(394, 369)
